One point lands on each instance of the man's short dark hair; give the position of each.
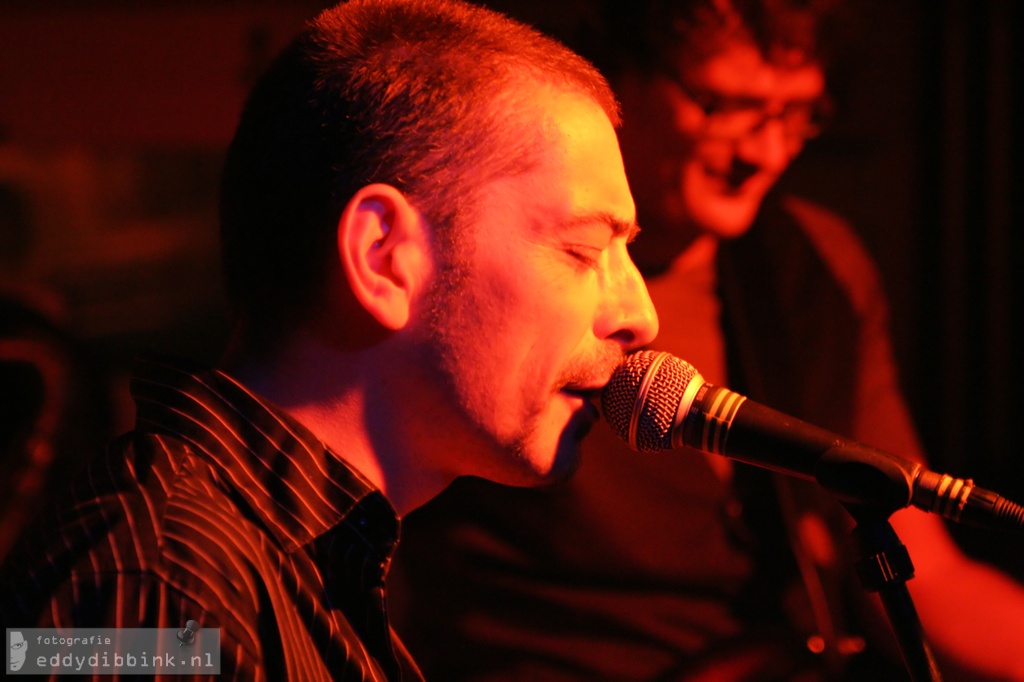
(417, 94)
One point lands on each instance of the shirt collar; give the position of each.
(298, 487)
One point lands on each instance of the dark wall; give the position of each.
(114, 117)
(927, 163)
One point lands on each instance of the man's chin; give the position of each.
(727, 212)
(729, 219)
(546, 469)
(568, 453)
(560, 473)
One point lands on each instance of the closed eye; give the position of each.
(589, 256)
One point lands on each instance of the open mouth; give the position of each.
(733, 179)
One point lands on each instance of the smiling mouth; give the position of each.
(735, 178)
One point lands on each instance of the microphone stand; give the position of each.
(883, 565)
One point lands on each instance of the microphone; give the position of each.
(655, 402)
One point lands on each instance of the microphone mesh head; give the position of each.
(661, 398)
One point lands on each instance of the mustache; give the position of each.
(593, 369)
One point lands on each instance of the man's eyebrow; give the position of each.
(620, 228)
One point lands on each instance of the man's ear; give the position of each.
(384, 247)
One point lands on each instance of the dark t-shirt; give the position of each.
(651, 567)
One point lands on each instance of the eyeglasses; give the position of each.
(733, 118)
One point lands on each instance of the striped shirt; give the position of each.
(219, 508)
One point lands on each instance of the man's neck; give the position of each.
(331, 394)
(701, 253)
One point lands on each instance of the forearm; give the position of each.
(973, 615)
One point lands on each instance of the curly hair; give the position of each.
(644, 34)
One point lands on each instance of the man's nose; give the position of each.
(631, 319)
(768, 146)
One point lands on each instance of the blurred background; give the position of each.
(114, 116)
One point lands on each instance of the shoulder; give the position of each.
(144, 539)
(840, 249)
(110, 599)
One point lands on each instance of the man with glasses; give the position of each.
(683, 567)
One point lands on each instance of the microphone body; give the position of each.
(655, 402)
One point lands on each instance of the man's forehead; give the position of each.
(740, 68)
